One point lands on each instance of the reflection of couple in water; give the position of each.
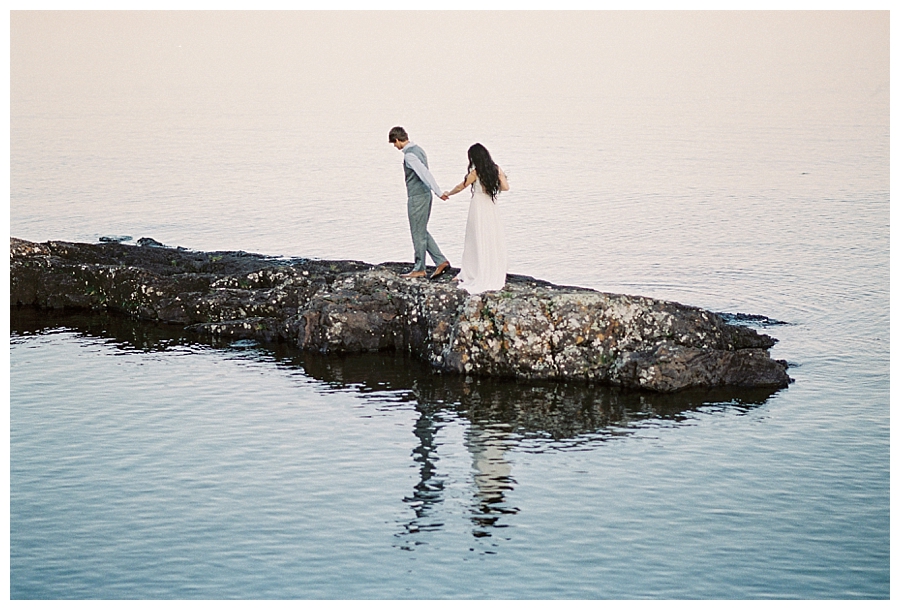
(492, 475)
(484, 260)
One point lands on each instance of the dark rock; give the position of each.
(116, 239)
(531, 329)
(149, 242)
(750, 319)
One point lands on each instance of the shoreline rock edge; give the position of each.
(529, 330)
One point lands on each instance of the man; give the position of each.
(419, 186)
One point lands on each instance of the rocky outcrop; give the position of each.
(531, 329)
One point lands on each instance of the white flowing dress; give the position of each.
(484, 259)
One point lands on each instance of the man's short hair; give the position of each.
(397, 134)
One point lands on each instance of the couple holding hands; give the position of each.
(484, 259)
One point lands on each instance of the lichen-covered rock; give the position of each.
(531, 329)
(547, 333)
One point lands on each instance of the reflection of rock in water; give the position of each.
(502, 414)
(573, 412)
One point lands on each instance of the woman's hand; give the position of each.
(446, 195)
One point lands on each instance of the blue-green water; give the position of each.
(174, 469)
(147, 465)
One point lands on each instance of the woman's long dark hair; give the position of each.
(480, 159)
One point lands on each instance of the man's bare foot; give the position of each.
(440, 269)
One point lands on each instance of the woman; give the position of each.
(484, 258)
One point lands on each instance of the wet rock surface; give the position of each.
(531, 329)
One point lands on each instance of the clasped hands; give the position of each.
(445, 196)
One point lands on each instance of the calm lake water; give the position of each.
(737, 162)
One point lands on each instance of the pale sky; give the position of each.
(565, 60)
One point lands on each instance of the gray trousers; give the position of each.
(418, 207)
